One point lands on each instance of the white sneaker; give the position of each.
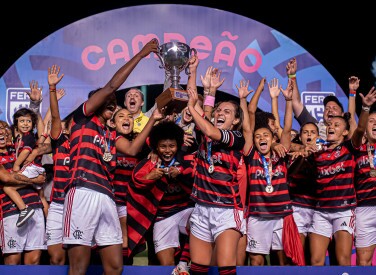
(181, 269)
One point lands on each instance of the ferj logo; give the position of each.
(16, 98)
(314, 102)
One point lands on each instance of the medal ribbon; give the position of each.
(106, 144)
(372, 159)
(268, 170)
(171, 163)
(209, 151)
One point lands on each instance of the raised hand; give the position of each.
(193, 97)
(287, 93)
(206, 80)
(35, 93)
(291, 67)
(60, 93)
(353, 83)
(151, 46)
(215, 81)
(157, 114)
(274, 88)
(193, 63)
(243, 89)
(370, 98)
(53, 75)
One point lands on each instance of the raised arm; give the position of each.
(193, 64)
(53, 80)
(132, 148)
(286, 132)
(252, 106)
(35, 96)
(353, 87)
(274, 91)
(248, 129)
(211, 82)
(367, 102)
(204, 125)
(95, 101)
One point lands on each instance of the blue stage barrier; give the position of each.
(166, 270)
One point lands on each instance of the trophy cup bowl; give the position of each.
(174, 58)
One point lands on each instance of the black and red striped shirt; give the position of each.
(259, 202)
(28, 194)
(220, 188)
(335, 177)
(87, 140)
(365, 185)
(123, 175)
(145, 200)
(302, 185)
(60, 155)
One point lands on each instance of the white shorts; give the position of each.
(264, 235)
(31, 236)
(303, 218)
(121, 210)
(365, 230)
(32, 171)
(207, 222)
(90, 216)
(327, 223)
(166, 232)
(54, 225)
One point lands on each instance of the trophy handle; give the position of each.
(162, 66)
(190, 55)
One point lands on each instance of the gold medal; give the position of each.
(269, 189)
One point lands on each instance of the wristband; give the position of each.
(353, 92)
(352, 95)
(52, 90)
(209, 101)
(34, 106)
(366, 108)
(288, 98)
(293, 76)
(45, 135)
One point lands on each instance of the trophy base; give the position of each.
(173, 100)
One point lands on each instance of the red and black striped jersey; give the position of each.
(60, 156)
(335, 177)
(145, 198)
(365, 185)
(221, 187)
(259, 202)
(28, 194)
(87, 166)
(122, 176)
(302, 185)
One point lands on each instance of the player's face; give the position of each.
(263, 140)
(186, 115)
(224, 116)
(108, 108)
(336, 130)
(167, 149)
(309, 134)
(3, 136)
(371, 128)
(124, 122)
(24, 124)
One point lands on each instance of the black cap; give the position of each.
(333, 98)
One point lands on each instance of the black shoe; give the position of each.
(25, 214)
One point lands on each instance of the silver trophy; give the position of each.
(174, 58)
